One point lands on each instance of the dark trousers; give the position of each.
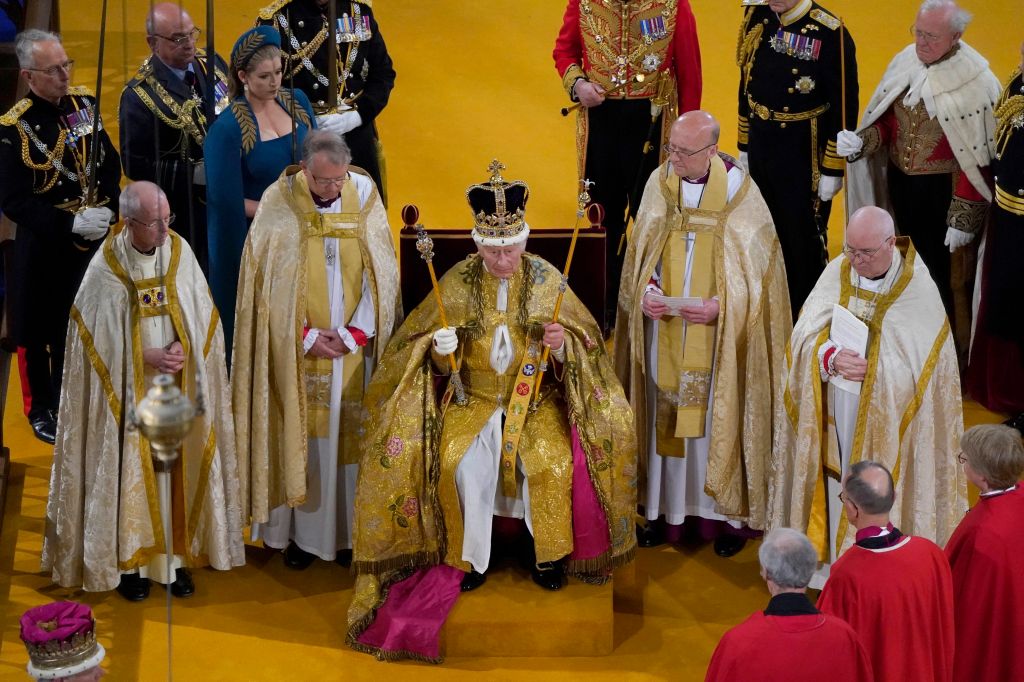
(44, 367)
(619, 170)
(362, 141)
(780, 165)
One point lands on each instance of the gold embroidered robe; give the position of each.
(103, 515)
(407, 507)
(910, 416)
(270, 377)
(753, 325)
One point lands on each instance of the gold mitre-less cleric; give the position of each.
(499, 209)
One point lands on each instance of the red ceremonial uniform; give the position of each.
(802, 646)
(899, 601)
(986, 554)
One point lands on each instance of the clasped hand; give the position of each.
(328, 345)
(850, 365)
(168, 360)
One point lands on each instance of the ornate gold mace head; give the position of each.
(164, 417)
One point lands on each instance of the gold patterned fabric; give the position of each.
(268, 374)
(910, 416)
(917, 138)
(103, 515)
(408, 513)
(752, 329)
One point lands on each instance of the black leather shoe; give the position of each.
(728, 545)
(343, 557)
(297, 558)
(472, 580)
(1016, 422)
(650, 535)
(45, 428)
(133, 587)
(183, 586)
(549, 575)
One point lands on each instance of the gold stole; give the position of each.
(346, 227)
(685, 379)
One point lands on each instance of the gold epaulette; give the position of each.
(268, 12)
(825, 19)
(141, 74)
(15, 112)
(80, 91)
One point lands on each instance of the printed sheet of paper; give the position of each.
(850, 333)
(677, 303)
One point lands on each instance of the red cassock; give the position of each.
(804, 648)
(986, 553)
(899, 601)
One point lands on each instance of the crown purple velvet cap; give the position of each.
(60, 638)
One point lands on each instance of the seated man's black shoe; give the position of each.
(45, 427)
(297, 558)
(1016, 422)
(133, 587)
(472, 580)
(549, 575)
(650, 535)
(729, 545)
(343, 557)
(183, 586)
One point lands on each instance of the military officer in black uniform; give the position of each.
(46, 164)
(365, 74)
(790, 110)
(164, 114)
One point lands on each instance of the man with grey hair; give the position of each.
(790, 640)
(870, 374)
(985, 556)
(144, 309)
(924, 147)
(319, 259)
(915, 598)
(166, 109)
(46, 167)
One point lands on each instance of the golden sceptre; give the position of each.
(582, 201)
(425, 246)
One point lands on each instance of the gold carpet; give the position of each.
(473, 83)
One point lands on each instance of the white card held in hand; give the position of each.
(676, 304)
(849, 333)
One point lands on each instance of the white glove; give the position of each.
(745, 162)
(340, 123)
(446, 341)
(848, 143)
(92, 223)
(956, 238)
(199, 174)
(828, 185)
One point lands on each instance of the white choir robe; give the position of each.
(155, 332)
(323, 524)
(675, 485)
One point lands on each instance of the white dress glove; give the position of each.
(340, 123)
(92, 223)
(828, 185)
(956, 238)
(446, 341)
(744, 162)
(848, 143)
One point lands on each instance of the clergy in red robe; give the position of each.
(790, 641)
(987, 561)
(914, 596)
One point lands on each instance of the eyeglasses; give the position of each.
(670, 150)
(924, 35)
(56, 68)
(328, 182)
(167, 222)
(180, 39)
(961, 457)
(866, 254)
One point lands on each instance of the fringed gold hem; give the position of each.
(390, 656)
(404, 562)
(600, 567)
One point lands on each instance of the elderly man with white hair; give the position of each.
(790, 641)
(870, 374)
(927, 138)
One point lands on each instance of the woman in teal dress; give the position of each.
(252, 141)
